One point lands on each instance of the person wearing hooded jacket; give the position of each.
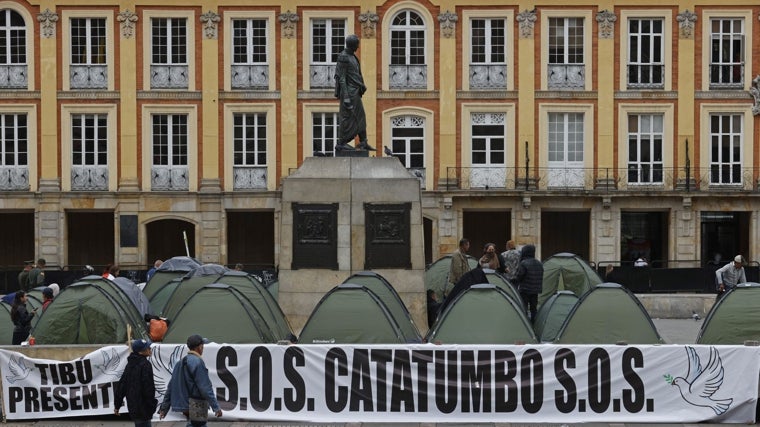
(136, 384)
(529, 279)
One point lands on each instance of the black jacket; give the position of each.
(136, 384)
(530, 273)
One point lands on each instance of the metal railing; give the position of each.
(638, 178)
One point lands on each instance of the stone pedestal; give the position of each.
(331, 199)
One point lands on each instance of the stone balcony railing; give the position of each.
(89, 178)
(14, 178)
(169, 178)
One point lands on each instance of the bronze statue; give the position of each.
(349, 88)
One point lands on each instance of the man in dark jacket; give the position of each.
(136, 384)
(529, 279)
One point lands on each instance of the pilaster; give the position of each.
(49, 171)
(212, 144)
(127, 71)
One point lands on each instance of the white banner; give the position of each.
(417, 383)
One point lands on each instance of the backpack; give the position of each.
(157, 329)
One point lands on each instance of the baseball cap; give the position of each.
(29, 262)
(738, 258)
(140, 345)
(196, 340)
(48, 292)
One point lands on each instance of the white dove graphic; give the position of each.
(700, 384)
(110, 363)
(18, 369)
(162, 369)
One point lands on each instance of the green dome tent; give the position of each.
(500, 281)
(384, 290)
(171, 269)
(437, 274)
(734, 318)
(482, 314)
(567, 272)
(553, 314)
(608, 314)
(222, 314)
(191, 282)
(352, 314)
(6, 324)
(91, 311)
(161, 296)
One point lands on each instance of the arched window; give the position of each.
(407, 56)
(13, 61)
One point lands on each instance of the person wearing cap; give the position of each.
(56, 289)
(47, 298)
(136, 384)
(190, 381)
(730, 275)
(23, 277)
(37, 275)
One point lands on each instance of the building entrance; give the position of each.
(724, 235)
(165, 239)
(563, 231)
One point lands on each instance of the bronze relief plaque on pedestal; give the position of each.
(387, 236)
(315, 236)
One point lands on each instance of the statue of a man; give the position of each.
(349, 88)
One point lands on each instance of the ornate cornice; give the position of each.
(487, 94)
(289, 20)
(13, 94)
(369, 22)
(210, 21)
(686, 21)
(47, 21)
(249, 95)
(152, 94)
(317, 94)
(723, 94)
(448, 22)
(637, 94)
(527, 20)
(88, 94)
(566, 94)
(606, 20)
(127, 19)
(400, 94)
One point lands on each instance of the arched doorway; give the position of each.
(165, 239)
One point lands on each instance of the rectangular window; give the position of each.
(645, 136)
(488, 142)
(327, 40)
(727, 53)
(324, 131)
(646, 66)
(88, 41)
(249, 41)
(408, 140)
(250, 139)
(14, 149)
(488, 38)
(89, 139)
(169, 41)
(726, 135)
(566, 137)
(12, 38)
(565, 40)
(170, 139)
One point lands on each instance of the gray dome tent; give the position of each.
(608, 314)
(134, 293)
(482, 314)
(567, 272)
(172, 268)
(352, 314)
(734, 318)
(93, 310)
(385, 291)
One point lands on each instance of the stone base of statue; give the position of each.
(351, 153)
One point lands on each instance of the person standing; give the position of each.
(36, 275)
(152, 271)
(459, 265)
(23, 277)
(190, 385)
(349, 88)
(529, 280)
(511, 261)
(730, 275)
(489, 258)
(47, 298)
(136, 384)
(21, 317)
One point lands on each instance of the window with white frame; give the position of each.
(13, 63)
(250, 69)
(89, 151)
(488, 141)
(488, 60)
(566, 57)
(407, 55)
(88, 54)
(250, 150)
(645, 137)
(14, 152)
(408, 143)
(726, 137)
(170, 148)
(565, 150)
(327, 40)
(646, 64)
(324, 133)
(169, 64)
(727, 53)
